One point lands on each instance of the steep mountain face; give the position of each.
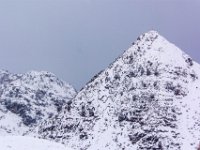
(148, 99)
(28, 99)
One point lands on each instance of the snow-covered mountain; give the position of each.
(28, 99)
(28, 143)
(148, 99)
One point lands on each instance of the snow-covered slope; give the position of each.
(148, 99)
(30, 98)
(28, 143)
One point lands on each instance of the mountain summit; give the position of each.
(148, 99)
(28, 99)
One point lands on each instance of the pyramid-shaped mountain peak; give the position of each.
(152, 34)
(147, 99)
(148, 36)
(152, 45)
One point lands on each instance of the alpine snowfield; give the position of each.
(28, 143)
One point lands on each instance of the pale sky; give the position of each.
(75, 39)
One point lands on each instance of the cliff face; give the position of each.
(28, 99)
(148, 99)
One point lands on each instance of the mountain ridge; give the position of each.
(28, 99)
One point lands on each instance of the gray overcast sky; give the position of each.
(75, 39)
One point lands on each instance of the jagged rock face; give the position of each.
(148, 99)
(28, 99)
